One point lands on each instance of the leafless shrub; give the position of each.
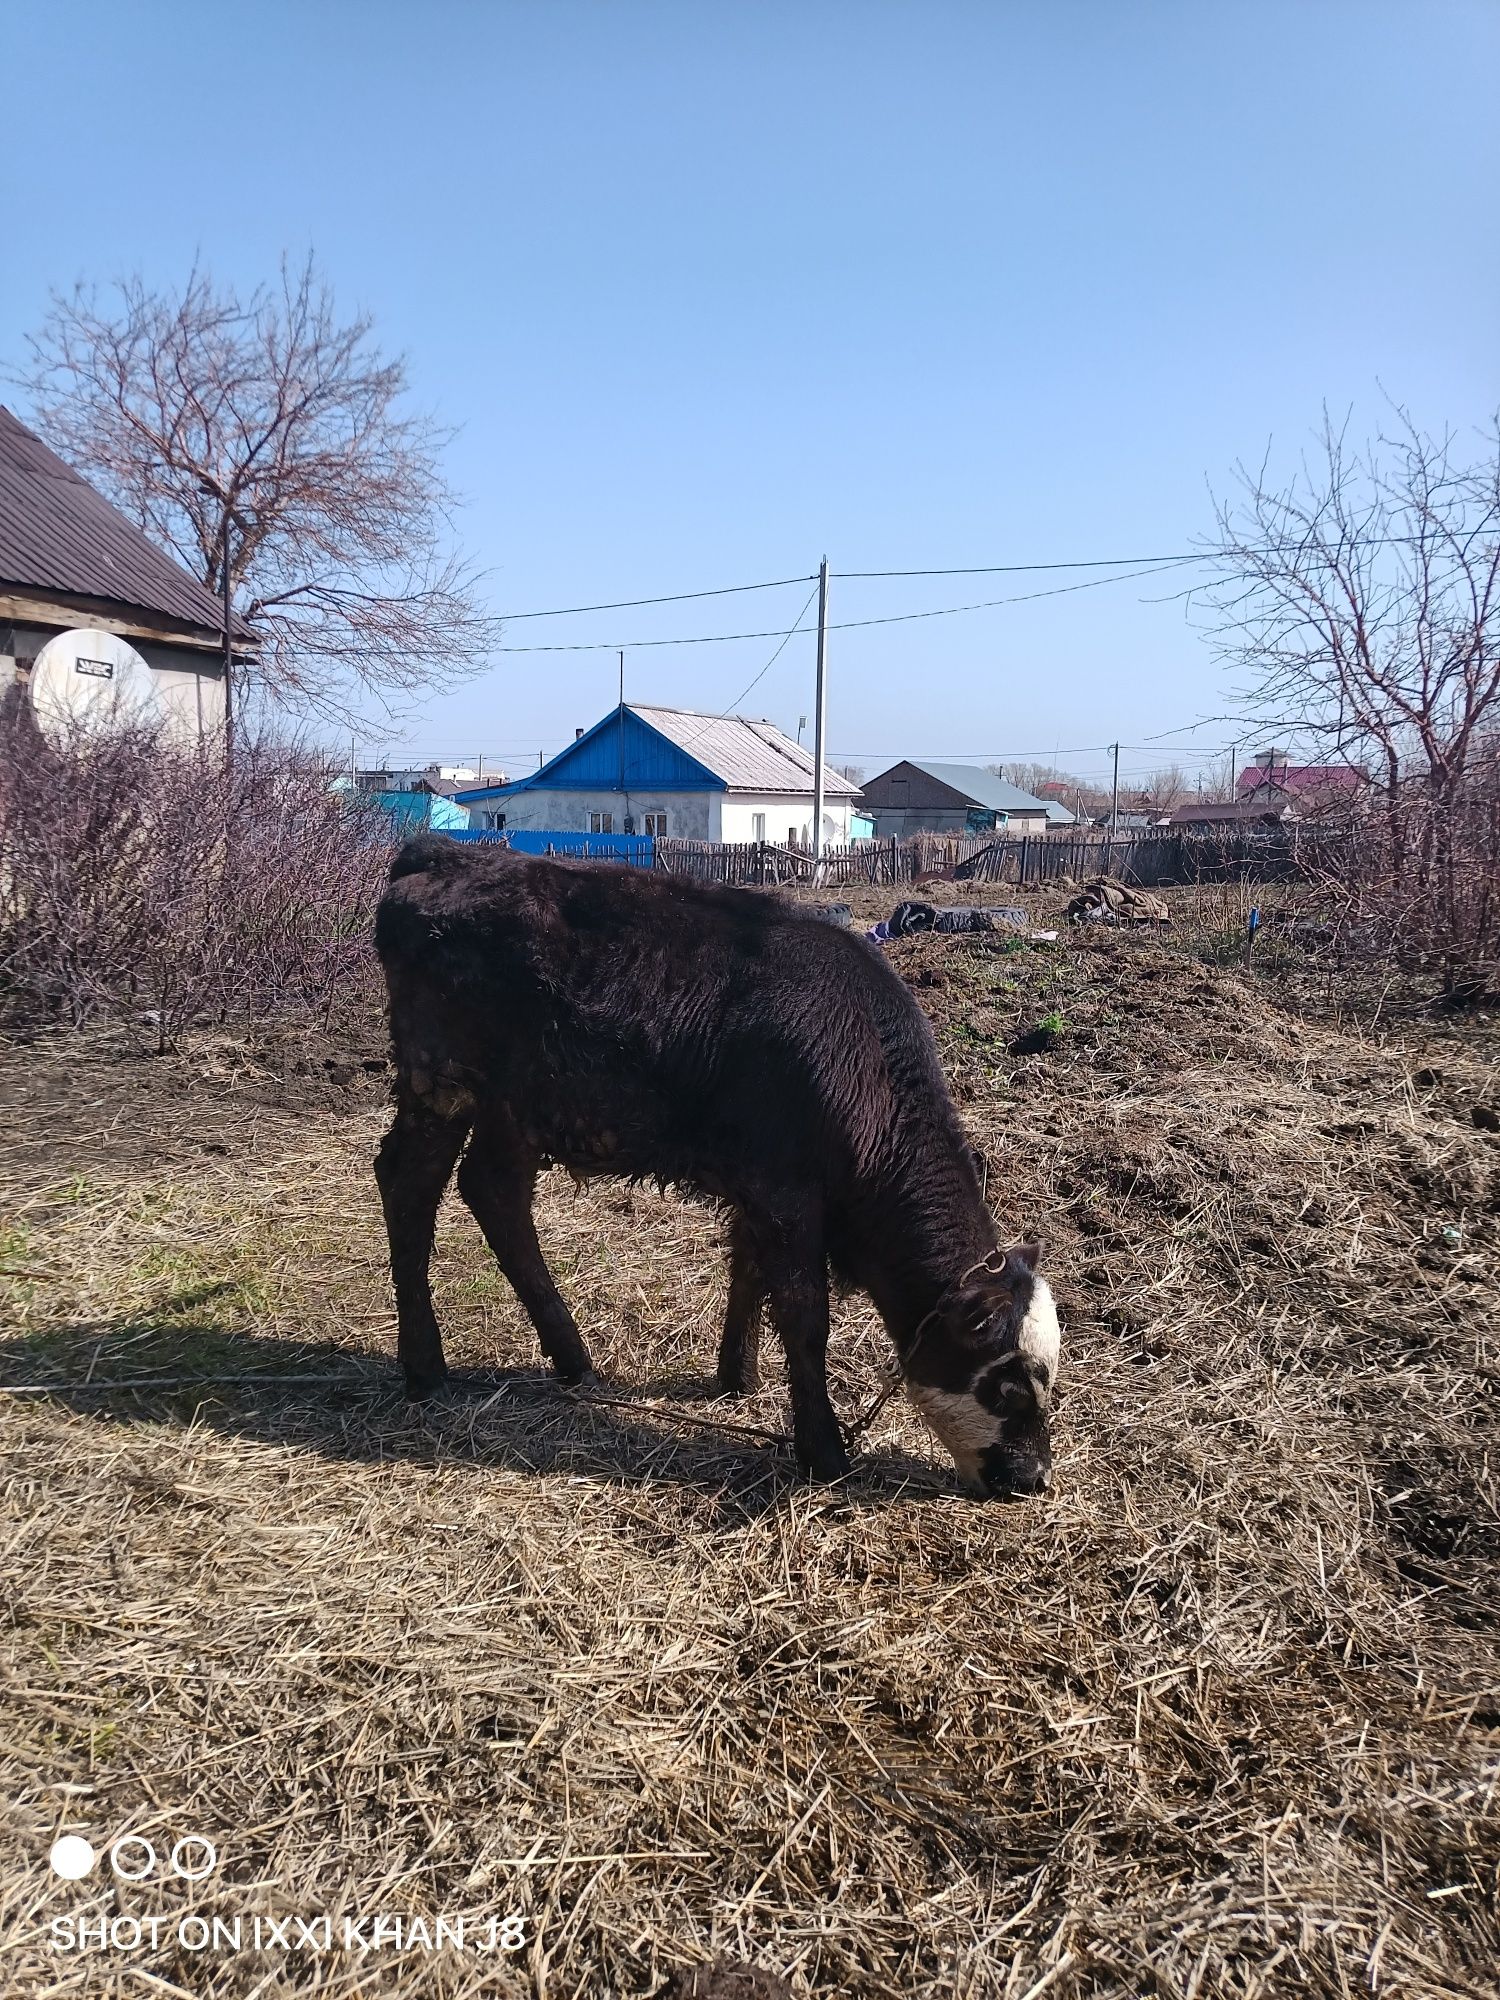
(161, 884)
(1420, 893)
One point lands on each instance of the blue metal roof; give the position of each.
(621, 753)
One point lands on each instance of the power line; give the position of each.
(850, 624)
(764, 670)
(987, 569)
(633, 603)
(1016, 569)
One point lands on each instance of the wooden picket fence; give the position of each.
(1147, 859)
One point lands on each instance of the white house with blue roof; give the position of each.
(676, 774)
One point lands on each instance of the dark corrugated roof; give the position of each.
(1246, 813)
(980, 788)
(59, 536)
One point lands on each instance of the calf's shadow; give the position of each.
(346, 1404)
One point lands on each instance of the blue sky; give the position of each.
(715, 289)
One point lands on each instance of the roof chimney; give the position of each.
(576, 734)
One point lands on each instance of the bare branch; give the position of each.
(1362, 601)
(267, 427)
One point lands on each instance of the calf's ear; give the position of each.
(1024, 1254)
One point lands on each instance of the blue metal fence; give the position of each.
(638, 850)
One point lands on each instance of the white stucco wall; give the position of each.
(784, 811)
(192, 694)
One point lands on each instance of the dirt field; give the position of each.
(1220, 1716)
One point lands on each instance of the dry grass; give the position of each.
(1219, 1717)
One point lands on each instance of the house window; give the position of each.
(757, 826)
(654, 824)
(601, 822)
(495, 820)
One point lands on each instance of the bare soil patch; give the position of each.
(1220, 1716)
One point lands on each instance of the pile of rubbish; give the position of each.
(911, 919)
(1106, 902)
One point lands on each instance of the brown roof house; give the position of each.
(1247, 816)
(74, 569)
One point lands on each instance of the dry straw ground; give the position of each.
(1219, 1717)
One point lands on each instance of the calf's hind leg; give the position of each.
(739, 1347)
(412, 1168)
(794, 1265)
(497, 1180)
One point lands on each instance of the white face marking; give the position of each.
(1041, 1336)
(964, 1426)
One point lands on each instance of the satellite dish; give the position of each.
(92, 681)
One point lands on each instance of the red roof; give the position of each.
(1303, 778)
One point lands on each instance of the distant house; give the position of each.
(422, 809)
(443, 778)
(1248, 815)
(1058, 814)
(919, 796)
(674, 773)
(1311, 788)
(70, 562)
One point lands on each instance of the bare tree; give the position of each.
(1161, 790)
(1045, 781)
(266, 433)
(1361, 602)
(1215, 782)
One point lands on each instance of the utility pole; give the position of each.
(621, 730)
(1234, 759)
(1114, 807)
(228, 646)
(820, 718)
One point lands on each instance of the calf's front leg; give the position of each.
(794, 1266)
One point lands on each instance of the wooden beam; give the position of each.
(67, 614)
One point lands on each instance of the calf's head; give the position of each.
(982, 1370)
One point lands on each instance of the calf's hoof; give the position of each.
(824, 1462)
(738, 1381)
(426, 1386)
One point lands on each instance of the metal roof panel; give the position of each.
(60, 536)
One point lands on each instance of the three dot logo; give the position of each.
(133, 1858)
(72, 1857)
